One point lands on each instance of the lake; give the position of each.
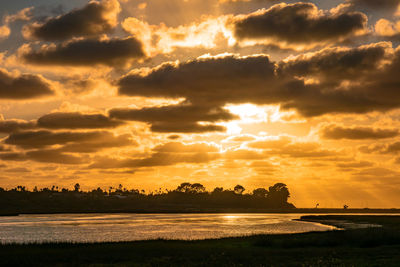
(130, 227)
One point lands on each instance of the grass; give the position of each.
(357, 247)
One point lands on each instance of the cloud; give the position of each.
(9, 126)
(240, 138)
(168, 154)
(176, 118)
(177, 147)
(163, 39)
(98, 144)
(287, 147)
(243, 154)
(185, 128)
(17, 170)
(95, 18)
(45, 156)
(359, 164)
(332, 80)
(392, 148)
(24, 86)
(234, 1)
(388, 29)
(43, 138)
(378, 172)
(87, 52)
(356, 133)
(270, 143)
(22, 15)
(298, 23)
(346, 81)
(4, 32)
(63, 147)
(52, 156)
(337, 63)
(76, 120)
(209, 81)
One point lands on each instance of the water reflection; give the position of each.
(129, 227)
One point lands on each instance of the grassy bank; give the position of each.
(356, 247)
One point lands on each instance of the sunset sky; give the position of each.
(153, 93)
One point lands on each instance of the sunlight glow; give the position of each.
(248, 113)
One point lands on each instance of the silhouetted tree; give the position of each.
(278, 193)
(184, 187)
(197, 188)
(260, 192)
(238, 189)
(217, 190)
(77, 187)
(186, 197)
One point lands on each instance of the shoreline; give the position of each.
(348, 222)
(216, 211)
(342, 225)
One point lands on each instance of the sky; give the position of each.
(153, 93)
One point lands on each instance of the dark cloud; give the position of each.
(76, 120)
(20, 169)
(88, 52)
(68, 145)
(45, 156)
(9, 126)
(337, 64)
(169, 154)
(53, 156)
(354, 80)
(210, 82)
(334, 80)
(95, 18)
(185, 128)
(356, 133)
(25, 86)
(107, 141)
(176, 118)
(12, 156)
(38, 139)
(299, 23)
(392, 148)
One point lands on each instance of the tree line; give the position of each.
(187, 197)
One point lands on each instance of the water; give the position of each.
(129, 227)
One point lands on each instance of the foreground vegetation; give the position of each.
(187, 197)
(358, 247)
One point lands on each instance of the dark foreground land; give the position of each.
(379, 246)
